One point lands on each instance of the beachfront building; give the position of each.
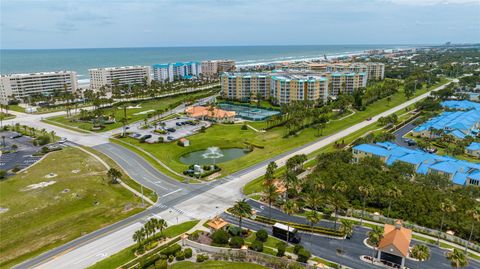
(394, 247)
(281, 88)
(175, 71)
(285, 89)
(460, 172)
(345, 82)
(210, 113)
(376, 71)
(125, 75)
(459, 124)
(22, 86)
(245, 86)
(216, 67)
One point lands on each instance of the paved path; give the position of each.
(178, 202)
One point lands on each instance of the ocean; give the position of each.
(80, 60)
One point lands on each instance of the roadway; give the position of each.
(178, 202)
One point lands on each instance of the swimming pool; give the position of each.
(249, 113)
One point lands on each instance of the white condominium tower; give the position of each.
(125, 75)
(21, 86)
(345, 82)
(174, 71)
(376, 71)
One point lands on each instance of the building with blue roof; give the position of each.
(459, 124)
(460, 172)
(460, 105)
(473, 149)
(179, 70)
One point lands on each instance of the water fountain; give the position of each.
(212, 153)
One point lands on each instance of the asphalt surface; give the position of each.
(178, 202)
(400, 133)
(326, 247)
(22, 156)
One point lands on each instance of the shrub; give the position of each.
(44, 150)
(170, 258)
(202, 129)
(35, 143)
(281, 247)
(234, 230)
(295, 266)
(171, 250)
(43, 140)
(220, 237)
(161, 264)
(16, 169)
(3, 174)
(244, 127)
(188, 253)
(297, 248)
(262, 235)
(303, 255)
(202, 257)
(257, 246)
(236, 242)
(194, 236)
(180, 256)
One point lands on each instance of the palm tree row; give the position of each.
(149, 229)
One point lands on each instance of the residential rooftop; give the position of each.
(461, 105)
(459, 171)
(457, 123)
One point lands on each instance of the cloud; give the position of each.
(65, 27)
(432, 2)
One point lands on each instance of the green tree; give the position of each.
(139, 235)
(446, 207)
(365, 191)
(241, 209)
(457, 258)
(475, 215)
(420, 252)
(290, 207)
(375, 235)
(313, 218)
(114, 175)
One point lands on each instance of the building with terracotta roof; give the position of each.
(216, 224)
(206, 113)
(395, 244)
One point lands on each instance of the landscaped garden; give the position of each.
(264, 145)
(108, 118)
(55, 201)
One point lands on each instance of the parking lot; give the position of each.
(20, 157)
(174, 129)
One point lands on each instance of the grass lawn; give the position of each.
(80, 201)
(270, 243)
(215, 265)
(134, 114)
(127, 254)
(272, 141)
(7, 116)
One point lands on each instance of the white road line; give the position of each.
(172, 192)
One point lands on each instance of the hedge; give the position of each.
(301, 227)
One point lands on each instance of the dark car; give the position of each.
(16, 136)
(178, 124)
(171, 130)
(146, 137)
(169, 137)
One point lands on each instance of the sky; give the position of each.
(41, 24)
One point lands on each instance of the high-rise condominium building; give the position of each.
(280, 87)
(125, 75)
(21, 86)
(174, 71)
(345, 82)
(285, 89)
(376, 71)
(216, 67)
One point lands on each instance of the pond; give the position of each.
(212, 155)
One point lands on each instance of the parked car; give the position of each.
(170, 137)
(145, 137)
(171, 130)
(16, 136)
(178, 123)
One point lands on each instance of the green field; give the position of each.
(270, 143)
(133, 114)
(127, 254)
(215, 265)
(79, 202)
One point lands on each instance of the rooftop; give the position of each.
(461, 105)
(396, 236)
(456, 123)
(119, 67)
(423, 162)
(201, 111)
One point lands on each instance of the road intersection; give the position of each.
(177, 201)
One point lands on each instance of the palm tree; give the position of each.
(290, 208)
(475, 214)
(375, 235)
(271, 195)
(161, 224)
(313, 217)
(445, 207)
(420, 252)
(347, 229)
(241, 209)
(138, 236)
(365, 191)
(457, 258)
(393, 193)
